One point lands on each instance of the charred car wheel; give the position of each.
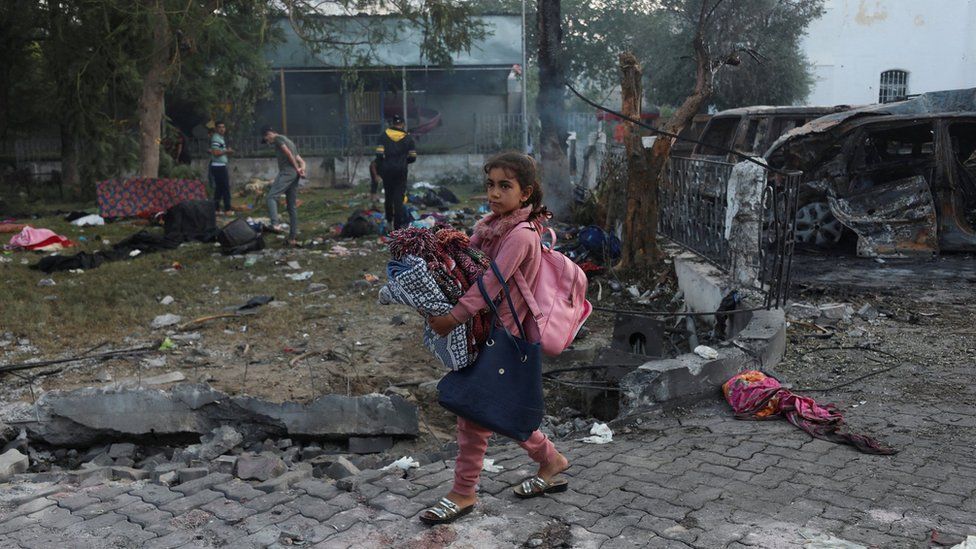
(817, 226)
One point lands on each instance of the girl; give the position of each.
(514, 196)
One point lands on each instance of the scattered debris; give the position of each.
(489, 466)
(298, 277)
(601, 434)
(168, 300)
(11, 463)
(165, 320)
(406, 463)
(706, 352)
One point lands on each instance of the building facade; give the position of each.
(868, 51)
(313, 95)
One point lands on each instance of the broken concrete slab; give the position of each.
(284, 481)
(129, 473)
(836, 311)
(259, 467)
(220, 441)
(803, 311)
(225, 464)
(369, 445)
(121, 450)
(341, 468)
(12, 462)
(85, 416)
(192, 473)
(762, 341)
(340, 415)
(868, 312)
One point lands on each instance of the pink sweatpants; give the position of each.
(472, 443)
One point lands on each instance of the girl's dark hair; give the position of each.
(522, 168)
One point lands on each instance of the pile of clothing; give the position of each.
(430, 270)
(191, 220)
(754, 395)
(43, 240)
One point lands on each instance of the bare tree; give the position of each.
(715, 46)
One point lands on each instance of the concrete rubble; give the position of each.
(83, 416)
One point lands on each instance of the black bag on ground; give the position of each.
(191, 220)
(359, 224)
(237, 237)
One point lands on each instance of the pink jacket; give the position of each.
(514, 249)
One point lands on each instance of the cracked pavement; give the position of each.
(702, 479)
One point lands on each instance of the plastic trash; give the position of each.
(405, 463)
(706, 352)
(601, 434)
(489, 466)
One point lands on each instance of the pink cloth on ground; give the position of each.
(472, 444)
(30, 238)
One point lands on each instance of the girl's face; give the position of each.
(505, 193)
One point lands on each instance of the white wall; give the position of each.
(856, 40)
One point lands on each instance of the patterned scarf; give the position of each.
(494, 226)
(754, 395)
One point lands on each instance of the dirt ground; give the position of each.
(323, 334)
(925, 329)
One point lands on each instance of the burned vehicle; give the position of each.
(751, 130)
(900, 176)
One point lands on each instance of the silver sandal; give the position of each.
(536, 486)
(444, 511)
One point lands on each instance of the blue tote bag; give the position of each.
(502, 390)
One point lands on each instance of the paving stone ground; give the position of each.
(695, 479)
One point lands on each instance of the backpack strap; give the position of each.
(523, 285)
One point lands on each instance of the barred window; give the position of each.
(894, 86)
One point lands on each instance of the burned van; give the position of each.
(751, 130)
(900, 176)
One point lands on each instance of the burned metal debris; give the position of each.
(901, 177)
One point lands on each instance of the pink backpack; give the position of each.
(557, 300)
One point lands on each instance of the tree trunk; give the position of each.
(70, 159)
(153, 90)
(615, 194)
(550, 105)
(640, 219)
(640, 249)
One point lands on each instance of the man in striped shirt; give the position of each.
(218, 168)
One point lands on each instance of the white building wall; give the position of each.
(856, 40)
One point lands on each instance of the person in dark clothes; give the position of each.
(394, 152)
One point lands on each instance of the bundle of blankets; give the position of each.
(430, 270)
(755, 395)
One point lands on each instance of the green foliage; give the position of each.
(659, 33)
(169, 169)
(762, 36)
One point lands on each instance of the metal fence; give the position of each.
(308, 145)
(693, 199)
(777, 235)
